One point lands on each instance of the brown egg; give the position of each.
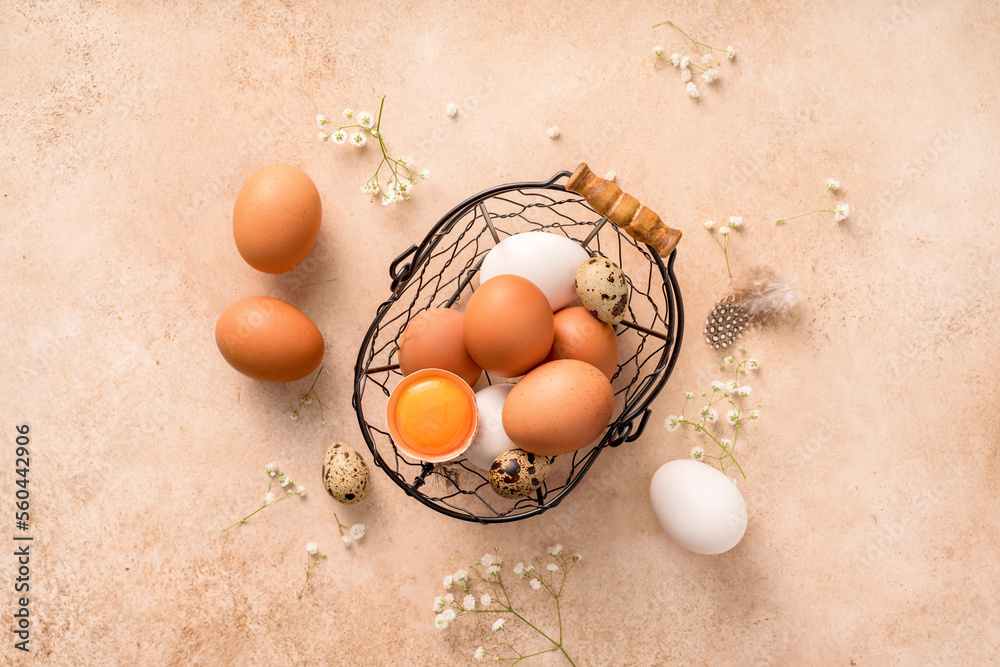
(269, 340)
(435, 338)
(277, 218)
(558, 408)
(508, 326)
(580, 335)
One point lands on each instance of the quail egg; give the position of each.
(517, 473)
(603, 289)
(345, 474)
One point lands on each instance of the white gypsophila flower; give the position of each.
(449, 598)
(438, 603)
(725, 230)
(448, 581)
(555, 550)
(311, 549)
(461, 575)
(284, 480)
(486, 600)
(671, 423)
(688, 395)
(709, 224)
(295, 415)
(685, 62)
(841, 212)
(718, 385)
(712, 415)
(339, 137)
(451, 109)
(307, 399)
(553, 132)
(744, 390)
(832, 184)
(753, 364)
(271, 467)
(710, 75)
(685, 75)
(321, 120)
(493, 570)
(697, 453)
(733, 417)
(536, 584)
(439, 622)
(706, 58)
(480, 653)
(529, 568)
(577, 558)
(366, 119)
(403, 187)
(675, 59)
(498, 624)
(730, 52)
(358, 531)
(657, 51)
(346, 539)
(692, 90)
(730, 359)
(552, 567)
(755, 414)
(424, 174)
(322, 136)
(359, 139)
(732, 385)
(449, 615)
(610, 176)
(519, 568)
(469, 602)
(403, 161)
(348, 113)
(726, 444)
(389, 198)
(269, 498)
(487, 560)
(735, 221)
(300, 491)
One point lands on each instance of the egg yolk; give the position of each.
(434, 416)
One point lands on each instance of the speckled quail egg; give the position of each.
(517, 474)
(345, 474)
(603, 289)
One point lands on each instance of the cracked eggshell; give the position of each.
(603, 289)
(517, 473)
(345, 473)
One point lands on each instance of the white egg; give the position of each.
(698, 506)
(548, 260)
(491, 441)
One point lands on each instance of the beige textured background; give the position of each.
(128, 129)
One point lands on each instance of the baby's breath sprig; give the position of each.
(308, 396)
(706, 61)
(733, 393)
(312, 562)
(724, 237)
(482, 590)
(840, 212)
(348, 536)
(401, 178)
(274, 475)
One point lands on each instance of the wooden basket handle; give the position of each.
(623, 210)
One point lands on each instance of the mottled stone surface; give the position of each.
(128, 128)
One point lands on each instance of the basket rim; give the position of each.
(620, 431)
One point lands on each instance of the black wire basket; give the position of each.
(441, 271)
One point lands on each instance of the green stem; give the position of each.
(696, 43)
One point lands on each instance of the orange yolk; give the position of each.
(434, 416)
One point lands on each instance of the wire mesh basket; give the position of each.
(441, 272)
